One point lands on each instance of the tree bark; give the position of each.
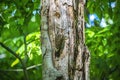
(65, 56)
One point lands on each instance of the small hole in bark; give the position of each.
(57, 54)
(60, 78)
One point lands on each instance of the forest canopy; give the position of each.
(20, 39)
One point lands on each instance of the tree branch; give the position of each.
(17, 56)
(19, 70)
(12, 52)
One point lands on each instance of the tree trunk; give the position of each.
(65, 56)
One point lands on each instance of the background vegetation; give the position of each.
(20, 34)
(19, 31)
(103, 39)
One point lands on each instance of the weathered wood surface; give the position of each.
(62, 36)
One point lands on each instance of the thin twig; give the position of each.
(21, 70)
(17, 56)
(25, 59)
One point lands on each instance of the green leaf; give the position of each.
(14, 63)
(33, 19)
(36, 5)
(21, 21)
(104, 30)
(104, 41)
(24, 2)
(90, 33)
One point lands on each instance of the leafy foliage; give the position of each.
(104, 42)
(19, 31)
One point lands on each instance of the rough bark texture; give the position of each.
(65, 56)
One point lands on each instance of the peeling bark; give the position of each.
(65, 56)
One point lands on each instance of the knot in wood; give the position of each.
(57, 14)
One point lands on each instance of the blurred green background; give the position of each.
(20, 33)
